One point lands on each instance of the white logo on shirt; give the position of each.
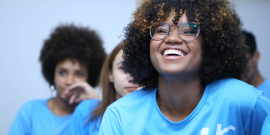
(205, 130)
(221, 132)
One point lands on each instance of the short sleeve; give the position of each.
(266, 126)
(76, 124)
(111, 124)
(258, 115)
(21, 124)
(80, 124)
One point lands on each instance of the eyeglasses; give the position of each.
(187, 31)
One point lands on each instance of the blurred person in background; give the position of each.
(114, 84)
(71, 58)
(254, 77)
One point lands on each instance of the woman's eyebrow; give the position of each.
(61, 68)
(80, 70)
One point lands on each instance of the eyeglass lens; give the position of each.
(187, 31)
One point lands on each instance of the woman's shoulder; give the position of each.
(87, 105)
(233, 87)
(237, 92)
(32, 107)
(35, 103)
(89, 102)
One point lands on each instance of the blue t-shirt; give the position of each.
(266, 126)
(265, 87)
(79, 124)
(35, 118)
(228, 106)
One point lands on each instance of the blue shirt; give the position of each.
(229, 107)
(266, 126)
(79, 124)
(35, 118)
(265, 87)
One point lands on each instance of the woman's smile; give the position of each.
(172, 53)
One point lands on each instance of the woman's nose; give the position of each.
(69, 80)
(173, 36)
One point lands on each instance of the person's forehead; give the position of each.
(118, 58)
(71, 63)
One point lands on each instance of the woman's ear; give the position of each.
(110, 76)
(256, 57)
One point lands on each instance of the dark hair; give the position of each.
(250, 42)
(69, 41)
(108, 90)
(224, 51)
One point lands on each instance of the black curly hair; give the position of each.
(224, 51)
(69, 41)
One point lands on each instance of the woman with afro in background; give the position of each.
(191, 58)
(71, 60)
(114, 84)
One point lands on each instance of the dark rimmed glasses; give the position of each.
(187, 31)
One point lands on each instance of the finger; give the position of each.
(72, 98)
(74, 86)
(72, 91)
(77, 100)
(67, 95)
(80, 97)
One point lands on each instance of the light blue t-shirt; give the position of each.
(79, 124)
(266, 126)
(35, 118)
(265, 87)
(227, 107)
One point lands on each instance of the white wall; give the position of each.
(25, 24)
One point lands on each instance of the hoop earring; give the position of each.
(53, 91)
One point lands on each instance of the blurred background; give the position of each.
(26, 24)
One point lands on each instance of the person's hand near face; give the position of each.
(78, 92)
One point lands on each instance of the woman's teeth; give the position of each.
(172, 52)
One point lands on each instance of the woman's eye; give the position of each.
(162, 31)
(120, 67)
(62, 73)
(80, 74)
(189, 32)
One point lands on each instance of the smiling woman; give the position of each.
(191, 58)
(71, 60)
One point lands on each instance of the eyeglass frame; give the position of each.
(169, 33)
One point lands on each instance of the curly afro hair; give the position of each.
(69, 41)
(224, 51)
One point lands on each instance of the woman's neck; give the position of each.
(59, 107)
(178, 97)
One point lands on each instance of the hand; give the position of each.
(78, 92)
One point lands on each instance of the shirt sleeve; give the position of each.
(76, 124)
(80, 124)
(21, 123)
(258, 115)
(111, 124)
